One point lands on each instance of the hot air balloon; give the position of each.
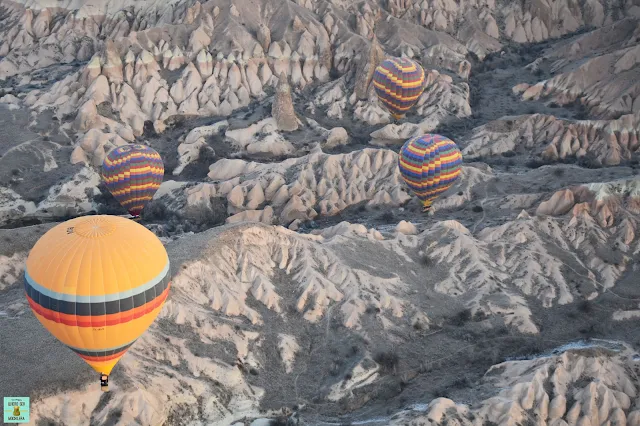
(133, 173)
(429, 164)
(399, 82)
(97, 283)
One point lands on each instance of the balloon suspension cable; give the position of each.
(104, 382)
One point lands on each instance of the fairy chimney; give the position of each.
(365, 70)
(282, 108)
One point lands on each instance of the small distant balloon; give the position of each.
(133, 174)
(97, 283)
(399, 82)
(429, 164)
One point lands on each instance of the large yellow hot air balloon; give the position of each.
(97, 283)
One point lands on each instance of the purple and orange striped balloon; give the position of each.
(399, 82)
(133, 174)
(429, 164)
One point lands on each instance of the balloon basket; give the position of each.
(104, 383)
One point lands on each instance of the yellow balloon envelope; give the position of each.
(97, 283)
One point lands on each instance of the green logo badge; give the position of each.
(16, 409)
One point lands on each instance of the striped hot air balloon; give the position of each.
(429, 164)
(97, 283)
(399, 82)
(133, 173)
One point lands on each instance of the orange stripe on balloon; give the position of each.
(102, 358)
(99, 320)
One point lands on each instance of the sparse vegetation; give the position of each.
(589, 162)
(585, 306)
(387, 217)
(371, 309)
(176, 121)
(580, 110)
(105, 110)
(479, 316)
(148, 129)
(155, 211)
(336, 366)
(387, 360)
(417, 325)
(536, 163)
(441, 393)
(280, 421)
(204, 217)
(461, 318)
(426, 260)
(477, 209)
(461, 383)
(113, 417)
(206, 154)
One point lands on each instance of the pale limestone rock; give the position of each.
(337, 136)
(264, 216)
(112, 64)
(364, 73)
(264, 37)
(255, 197)
(87, 116)
(559, 204)
(406, 228)
(205, 63)
(236, 197)
(282, 109)
(394, 134)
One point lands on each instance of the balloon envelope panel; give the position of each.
(429, 164)
(133, 173)
(97, 283)
(399, 82)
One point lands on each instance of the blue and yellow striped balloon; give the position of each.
(133, 173)
(429, 164)
(399, 82)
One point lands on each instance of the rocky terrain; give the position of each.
(309, 288)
